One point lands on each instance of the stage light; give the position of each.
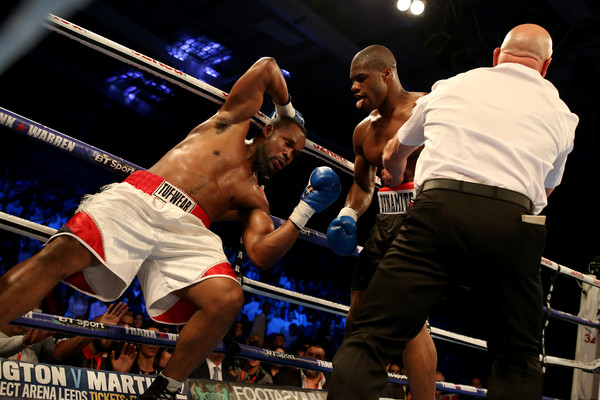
(403, 5)
(417, 7)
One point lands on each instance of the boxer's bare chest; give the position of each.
(225, 187)
(214, 171)
(377, 134)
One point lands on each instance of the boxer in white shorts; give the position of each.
(155, 225)
(159, 270)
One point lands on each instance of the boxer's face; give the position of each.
(368, 86)
(279, 148)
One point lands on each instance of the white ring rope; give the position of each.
(586, 278)
(177, 77)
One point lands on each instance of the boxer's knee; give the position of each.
(215, 297)
(232, 301)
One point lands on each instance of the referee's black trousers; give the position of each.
(450, 237)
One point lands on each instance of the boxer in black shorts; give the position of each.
(376, 85)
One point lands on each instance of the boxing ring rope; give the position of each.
(177, 77)
(99, 157)
(99, 330)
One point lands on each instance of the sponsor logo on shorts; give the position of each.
(170, 194)
(395, 202)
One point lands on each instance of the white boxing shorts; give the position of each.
(397, 199)
(147, 227)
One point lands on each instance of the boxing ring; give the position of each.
(14, 373)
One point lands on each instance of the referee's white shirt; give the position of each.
(504, 126)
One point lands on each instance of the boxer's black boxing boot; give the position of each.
(158, 390)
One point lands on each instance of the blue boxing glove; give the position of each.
(341, 234)
(323, 188)
(287, 110)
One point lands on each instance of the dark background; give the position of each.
(78, 91)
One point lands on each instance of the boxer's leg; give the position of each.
(420, 361)
(26, 284)
(218, 300)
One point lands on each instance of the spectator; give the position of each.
(291, 335)
(135, 297)
(259, 324)
(148, 360)
(14, 207)
(238, 332)
(125, 321)
(250, 371)
(274, 369)
(139, 319)
(300, 348)
(78, 305)
(97, 308)
(298, 316)
(28, 247)
(25, 344)
(306, 378)
(215, 368)
(393, 390)
(476, 382)
(91, 353)
(252, 308)
(283, 280)
(278, 340)
(439, 395)
(277, 324)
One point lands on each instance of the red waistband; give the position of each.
(402, 186)
(164, 190)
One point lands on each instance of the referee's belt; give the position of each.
(492, 192)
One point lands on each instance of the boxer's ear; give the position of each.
(267, 130)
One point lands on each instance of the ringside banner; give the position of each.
(215, 390)
(24, 380)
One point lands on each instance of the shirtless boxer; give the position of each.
(155, 225)
(376, 85)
